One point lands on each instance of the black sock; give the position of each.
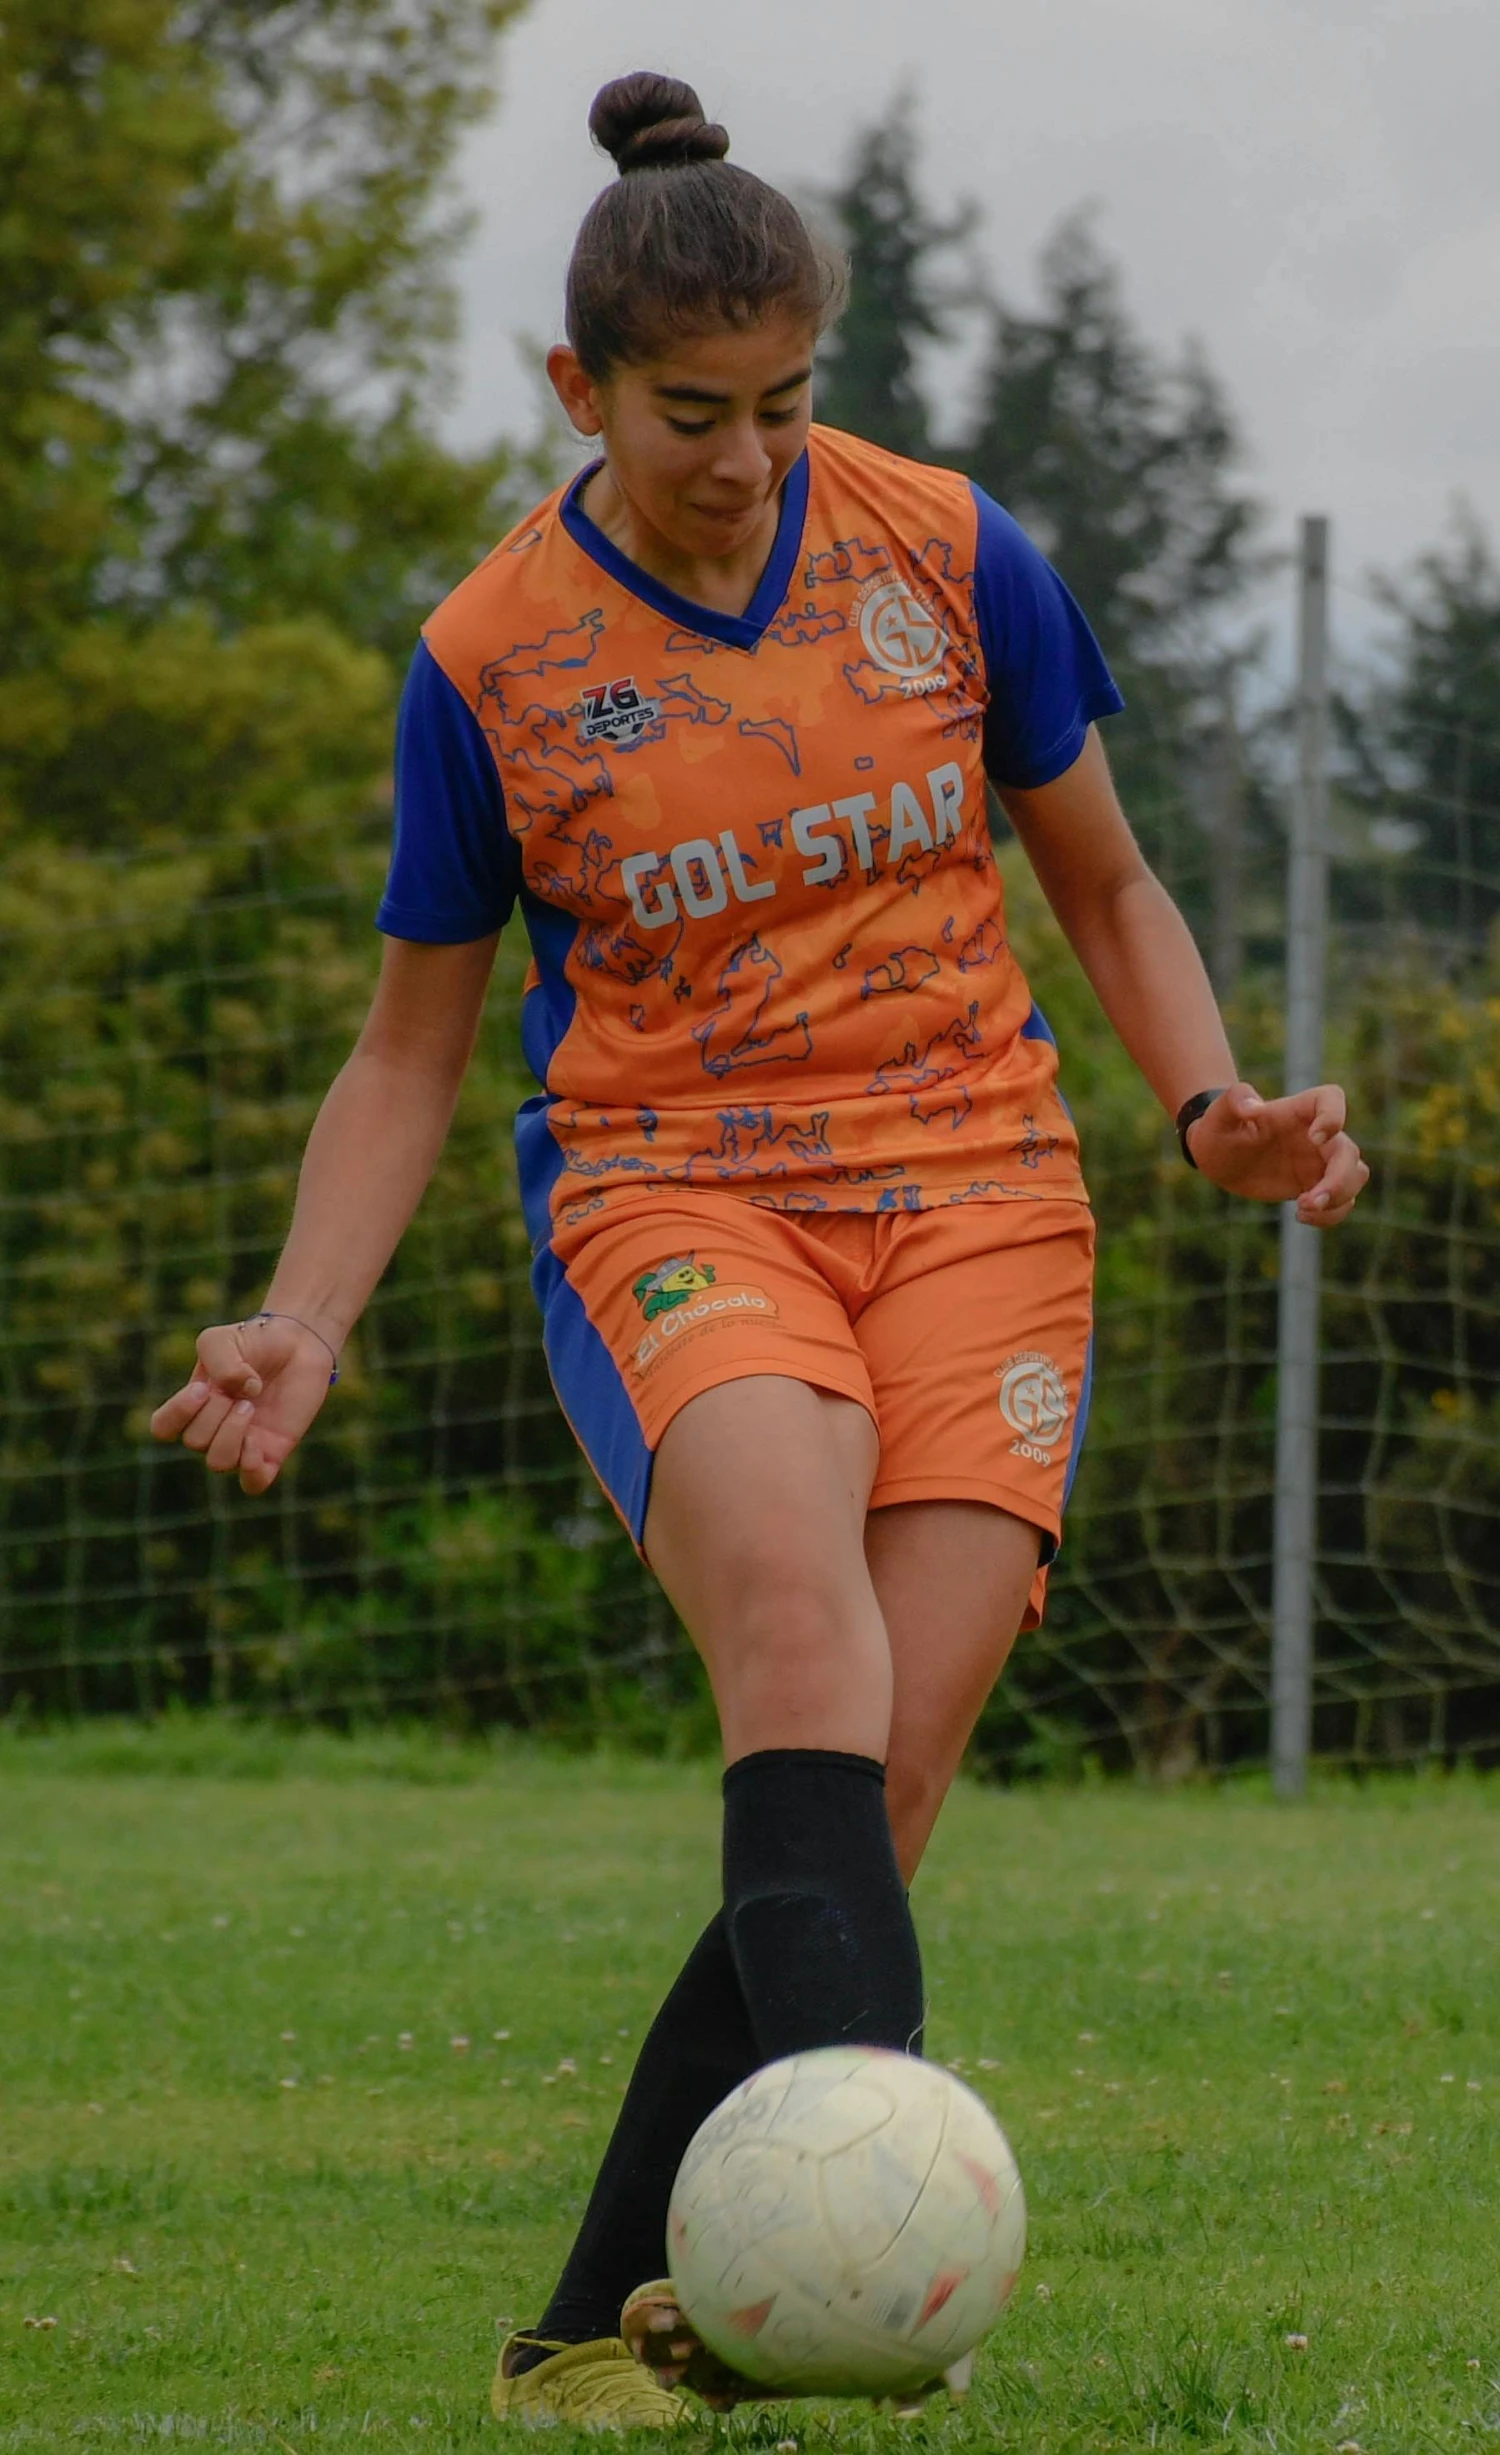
(698, 2048)
(815, 1938)
(814, 1905)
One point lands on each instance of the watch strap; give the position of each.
(1189, 1113)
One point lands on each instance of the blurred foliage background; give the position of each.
(225, 332)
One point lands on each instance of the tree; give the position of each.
(1424, 733)
(105, 129)
(1118, 460)
(223, 316)
(226, 309)
(870, 371)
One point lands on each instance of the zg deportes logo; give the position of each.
(617, 713)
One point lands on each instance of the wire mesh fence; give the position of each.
(168, 1020)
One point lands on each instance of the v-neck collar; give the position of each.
(744, 630)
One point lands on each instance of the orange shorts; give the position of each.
(964, 1332)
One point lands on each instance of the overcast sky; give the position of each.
(1309, 186)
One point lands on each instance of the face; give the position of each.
(700, 441)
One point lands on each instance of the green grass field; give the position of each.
(306, 2057)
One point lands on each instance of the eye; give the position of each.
(780, 417)
(690, 426)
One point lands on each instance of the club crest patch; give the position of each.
(901, 634)
(1034, 1402)
(617, 713)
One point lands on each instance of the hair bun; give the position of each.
(647, 122)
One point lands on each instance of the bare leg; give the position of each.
(756, 1530)
(948, 1584)
(952, 1578)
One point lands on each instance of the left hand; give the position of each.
(1282, 1150)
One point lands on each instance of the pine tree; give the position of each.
(870, 370)
(1424, 733)
(1119, 461)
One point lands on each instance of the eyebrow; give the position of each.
(719, 400)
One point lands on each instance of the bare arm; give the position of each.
(1124, 928)
(1140, 958)
(380, 1131)
(374, 1144)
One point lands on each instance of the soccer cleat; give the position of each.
(658, 2334)
(597, 2386)
(958, 2378)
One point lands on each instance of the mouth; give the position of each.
(726, 515)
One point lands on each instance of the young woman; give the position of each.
(812, 1245)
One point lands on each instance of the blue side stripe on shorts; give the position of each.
(1037, 1027)
(1080, 1419)
(584, 1373)
(594, 1397)
(1050, 1550)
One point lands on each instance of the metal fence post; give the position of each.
(1296, 1517)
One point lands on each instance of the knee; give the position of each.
(787, 1613)
(914, 1795)
(796, 1662)
(805, 1649)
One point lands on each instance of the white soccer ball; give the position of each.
(848, 2222)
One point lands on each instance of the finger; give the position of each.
(223, 1454)
(1344, 1175)
(1347, 1172)
(1328, 1111)
(1329, 1202)
(1237, 1107)
(1346, 1194)
(221, 1356)
(1289, 1117)
(173, 1416)
(1333, 1216)
(1320, 1209)
(205, 1424)
(257, 1471)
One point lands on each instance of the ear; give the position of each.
(578, 393)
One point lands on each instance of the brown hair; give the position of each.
(683, 242)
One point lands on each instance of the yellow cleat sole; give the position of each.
(597, 2386)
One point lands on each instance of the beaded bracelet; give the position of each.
(300, 1325)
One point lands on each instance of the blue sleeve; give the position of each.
(455, 869)
(1047, 676)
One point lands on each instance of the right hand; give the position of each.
(256, 1387)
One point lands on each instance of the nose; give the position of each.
(741, 460)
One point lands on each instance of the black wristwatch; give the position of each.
(1189, 1113)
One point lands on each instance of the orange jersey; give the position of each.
(753, 852)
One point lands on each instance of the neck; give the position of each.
(724, 582)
